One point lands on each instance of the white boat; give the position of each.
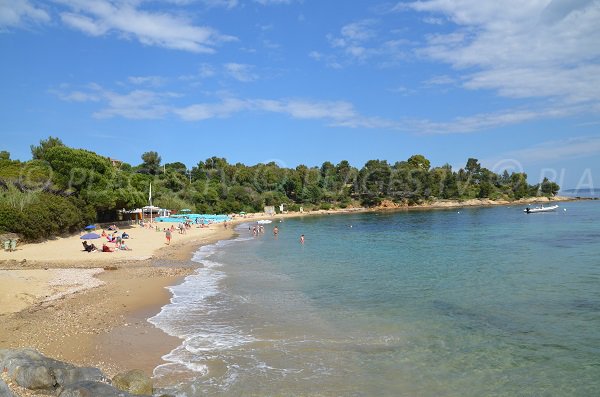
(540, 209)
(264, 221)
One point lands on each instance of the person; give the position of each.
(275, 231)
(168, 236)
(124, 236)
(89, 247)
(124, 247)
(302, 239)
(106, 248)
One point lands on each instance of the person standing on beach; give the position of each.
(168, 236)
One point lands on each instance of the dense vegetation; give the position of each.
(62, 188)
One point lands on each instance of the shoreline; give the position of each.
(106, 325)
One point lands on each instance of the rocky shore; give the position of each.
(26, 372)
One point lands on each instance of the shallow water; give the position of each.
(467, 302)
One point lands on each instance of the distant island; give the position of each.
(61, 189)
(583, 191)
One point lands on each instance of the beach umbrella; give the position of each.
(89, 227)
(90, 236)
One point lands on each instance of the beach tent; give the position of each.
(90, 227)
(90, 236)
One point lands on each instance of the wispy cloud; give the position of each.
(161, 29)
(20, 14)
(440, 80)
(205, 111)
(221, 3)
(271, 2)
(152, 81)
(359, 42)
(535, 49)
(486, 121)
(240, 72)
(548, 152)
(149, 104)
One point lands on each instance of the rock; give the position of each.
(134, 382)
(32, 370)
(91, 389)
(31, 376)
(5, 391)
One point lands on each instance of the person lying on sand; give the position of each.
(106, 248)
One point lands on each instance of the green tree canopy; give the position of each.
(151, 163)
(39, 152)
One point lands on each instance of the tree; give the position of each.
(374, 180)
(151, 162)
(177, 167)
(39, 152)
(4, 155)
(419, 161)
(549, 188)
(472, 166)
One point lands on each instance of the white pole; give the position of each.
(150, 199)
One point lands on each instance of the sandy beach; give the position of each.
(91, 308)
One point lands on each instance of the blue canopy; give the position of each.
(90, 236)
(88, 227)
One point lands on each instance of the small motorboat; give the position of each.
(540, 209)
(264, 221)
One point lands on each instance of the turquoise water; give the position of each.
(467, 302)
(195, 218)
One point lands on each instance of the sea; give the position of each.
(457, 302)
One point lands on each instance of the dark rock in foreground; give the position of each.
(31, 370)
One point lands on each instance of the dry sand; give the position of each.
(75, 310)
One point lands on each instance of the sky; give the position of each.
(513, 83)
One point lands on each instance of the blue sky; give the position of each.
(515, 84)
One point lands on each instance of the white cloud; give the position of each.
(533, 49)
(221, 3)
(440, 80)
(137, 104)
(206, 111)
(150, 28)
(362, 41)
(153, 81)
(148, 104)
(482, 121)
(271, 2)
(240, 72)
(553, 151)
(20, 13)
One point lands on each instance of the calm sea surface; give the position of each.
(462, 302)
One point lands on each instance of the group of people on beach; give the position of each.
(112, 238)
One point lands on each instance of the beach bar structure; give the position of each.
(144, 213)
